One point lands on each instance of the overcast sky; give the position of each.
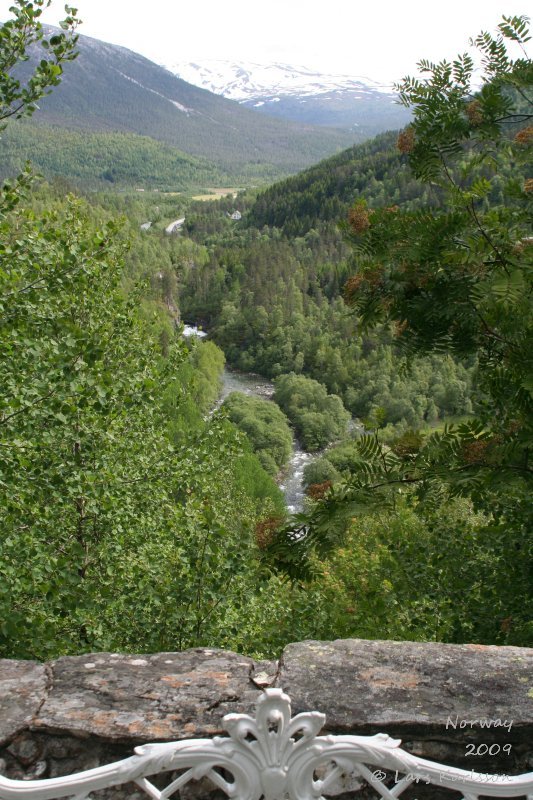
(381, 39)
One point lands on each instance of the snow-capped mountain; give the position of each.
(299, 93)
(249, 81)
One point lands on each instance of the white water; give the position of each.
(192, 330)
(292, 484)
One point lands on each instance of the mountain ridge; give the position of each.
(300, 94)
(111, 88)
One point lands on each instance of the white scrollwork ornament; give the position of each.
(284, 753)
(268, 745)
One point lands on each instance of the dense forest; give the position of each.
(387, 298)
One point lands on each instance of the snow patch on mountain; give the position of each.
(175, 103)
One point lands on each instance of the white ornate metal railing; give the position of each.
(275, 757)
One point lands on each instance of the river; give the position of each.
(292, 478)
(291, 483)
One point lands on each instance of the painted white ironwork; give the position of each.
(276, 757)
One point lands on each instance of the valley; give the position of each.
(345, 452)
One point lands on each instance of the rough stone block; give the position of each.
(25, 749)
(442, 696)
(23, 687)
(147, 698)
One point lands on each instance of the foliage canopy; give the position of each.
(121, 525)
(22, 32)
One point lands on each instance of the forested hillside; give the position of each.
(375, 170)
(96, 160)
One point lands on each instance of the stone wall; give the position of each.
(80, 712)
